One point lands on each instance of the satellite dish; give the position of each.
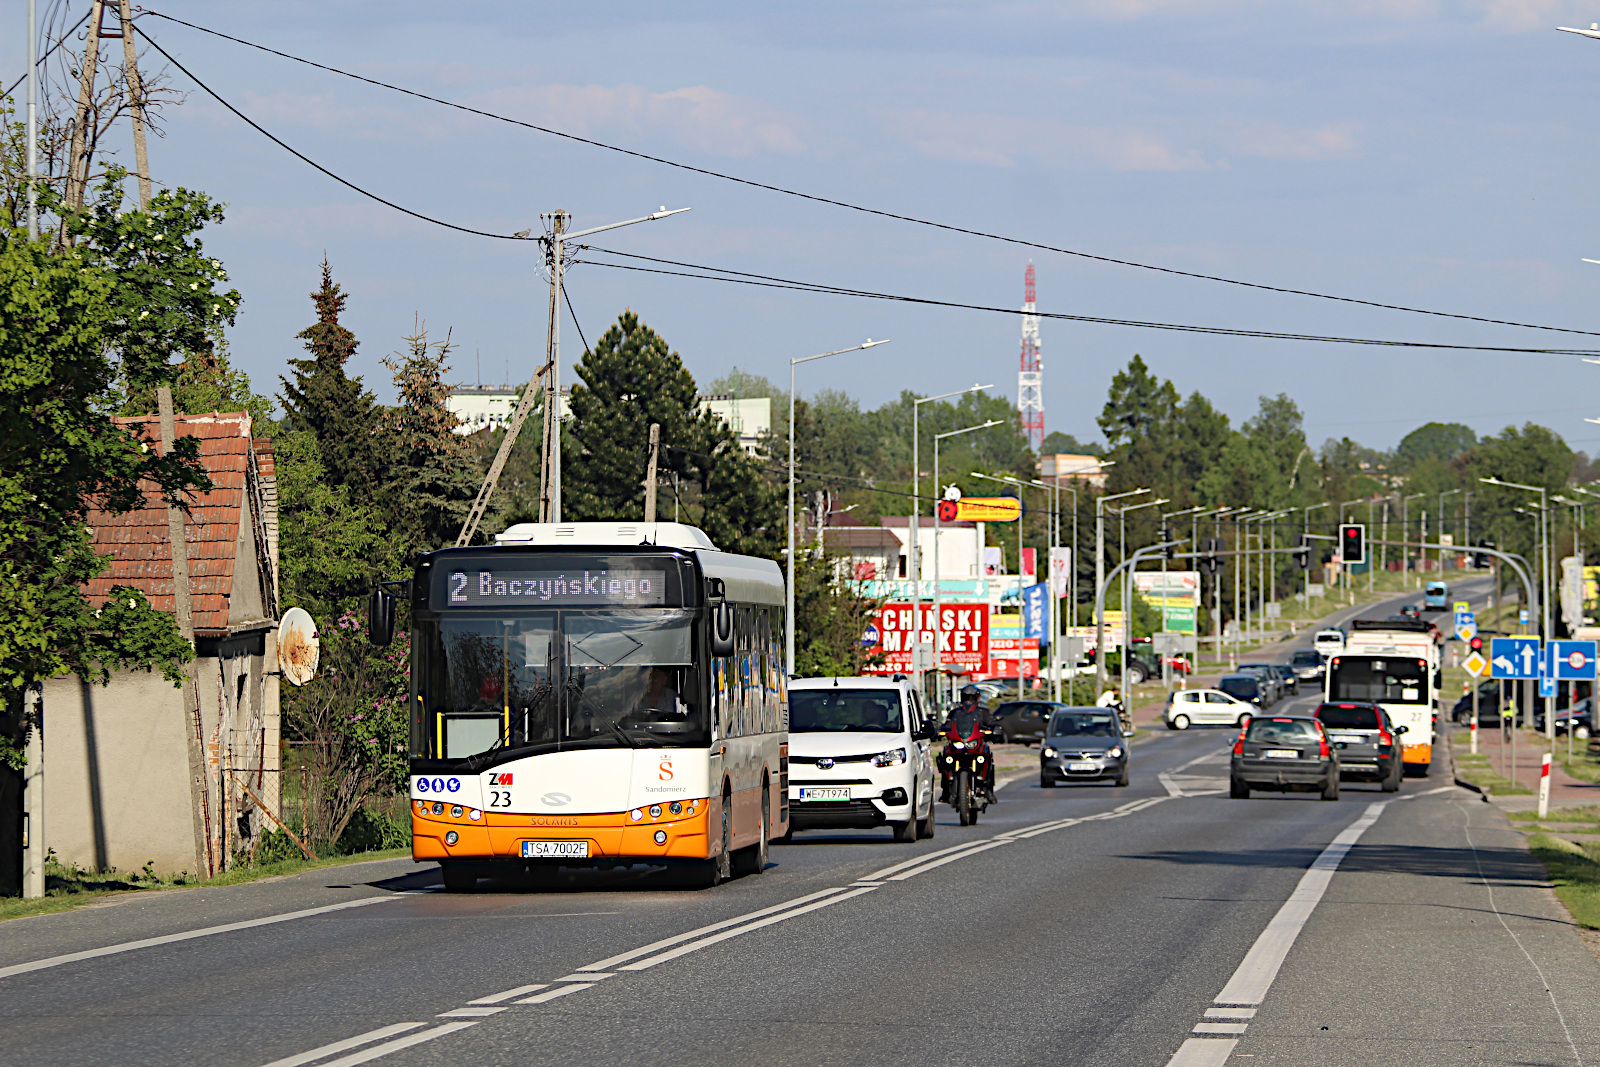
(298, 647)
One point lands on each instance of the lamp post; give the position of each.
(1309, 508)
(1405, 532)
(1099, 577)
(1544, 580)
(788, 621)
(1447, 492)
(1122, 553)
(938, 593)
(915, 548)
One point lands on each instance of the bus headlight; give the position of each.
(655, 811)
(889, 759)
(451, 837)
(661, 837)
(676, 807)
(636, 814)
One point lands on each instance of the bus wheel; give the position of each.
(719, 868)
(753, 858)
(458, 877)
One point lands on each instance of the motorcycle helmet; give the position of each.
(970, 692)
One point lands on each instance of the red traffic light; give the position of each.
(1353, 543)
(1476, 644)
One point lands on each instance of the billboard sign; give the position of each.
(1176, 594)
(981, 509)
(963, 636)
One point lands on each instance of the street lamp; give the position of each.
(789, 612)
(916, 512)
(1099, 579)
(938, 592)
(1405, 532)
(1447, 492)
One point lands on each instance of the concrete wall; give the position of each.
(117, 774)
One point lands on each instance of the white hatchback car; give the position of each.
(859, 756)
(1206, 707)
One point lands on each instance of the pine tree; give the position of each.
(630, 379)
(434, 473)
(326, 401)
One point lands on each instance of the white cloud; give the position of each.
(1004, 140)
(696, 116)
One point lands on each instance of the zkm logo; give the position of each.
(555, 800)
(664, 772)
(500, 779)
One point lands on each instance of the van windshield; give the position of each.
(837, 710)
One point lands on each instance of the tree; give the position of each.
(329, 403)
(630, 379)
(1140, 403)
(433, 474)
(207, 381)
(829, 619)
(1434, 440)
(74, 323)
(334, 548)
(1058, 443)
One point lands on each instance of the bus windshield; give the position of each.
(1378, 681)
(549, 680)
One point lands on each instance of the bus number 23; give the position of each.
(499, 798)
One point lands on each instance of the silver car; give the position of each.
(1083, 745)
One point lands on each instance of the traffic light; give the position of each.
(1302, 551)
(1353, 543)
(1209, 563)
(1165, 534)
(1476, 644)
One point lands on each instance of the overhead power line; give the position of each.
(718, 274)
(704, 273)
(831, 202)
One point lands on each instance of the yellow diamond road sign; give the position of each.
(1476, 664)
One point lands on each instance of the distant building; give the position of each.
(1067, 467)
(749, 417)
(489, 407)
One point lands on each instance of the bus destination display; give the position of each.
(500, 586)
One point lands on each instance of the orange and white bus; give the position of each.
(1394, 664)
(595, 694)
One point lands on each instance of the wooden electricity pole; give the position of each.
(650, 473)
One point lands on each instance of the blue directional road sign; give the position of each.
(1514, 657)
(1547, 686)
(1572, 660)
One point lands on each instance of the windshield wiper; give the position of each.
(600, 713)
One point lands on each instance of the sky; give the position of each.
(1426, 153)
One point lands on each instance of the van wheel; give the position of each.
(925, 826)
(905, 832)
(1179, 721)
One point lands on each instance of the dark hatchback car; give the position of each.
(1083, 745)
(1283, 753)
(1490, 696)
(1307, 664)
(1244, 687)
(1023, 721)
(1367, 743)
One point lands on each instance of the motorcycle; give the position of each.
(967, 761)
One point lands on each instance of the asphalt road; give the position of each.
(1151, 924)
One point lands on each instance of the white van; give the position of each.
(1329, 642)
(858, 756)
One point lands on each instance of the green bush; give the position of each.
(369, 831)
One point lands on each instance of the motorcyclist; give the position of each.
(970, 721)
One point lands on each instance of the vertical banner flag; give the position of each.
(1036, 613)
(993, 560)
(1029, 567)
(1060, 571)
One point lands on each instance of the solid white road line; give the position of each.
(608, 963)
(559, 991)
(878, 876)
(396, 1045)
(581, 976)
(187, 935)
(1255, 974)
(941, 861)
(508, 994)
(694, 946)
(342, 1046)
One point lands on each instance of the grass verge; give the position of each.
(67, 888)
(1574, 873)
(1476, 770)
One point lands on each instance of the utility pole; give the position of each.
(650, 473)
(77, 161)
(130, 60)
(33, 119)
(33, 847)
(550, 459)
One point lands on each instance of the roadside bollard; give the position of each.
(1544, 786)
(1472, 729)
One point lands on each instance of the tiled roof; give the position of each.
(138, 543)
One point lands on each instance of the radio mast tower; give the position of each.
(1030, 379)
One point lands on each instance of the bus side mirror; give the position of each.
(380, 617)
(721, 622)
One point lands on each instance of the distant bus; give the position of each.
(1395, 665)
(595, 694)
(1436, 596)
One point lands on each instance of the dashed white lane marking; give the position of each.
(714, 939)
(623, 957)
(516, 991)
(1178, 784)
(878, 876)
(344, 1046)
(396, 1045)
(993, 842)
(187, 935)
(1259, 968)
(560, 991)
(470, 1012)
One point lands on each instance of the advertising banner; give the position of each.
(981, 509)
(1036, 613)
(1061, 571)
(1176, 594)
(963, 636)
(1003, 657)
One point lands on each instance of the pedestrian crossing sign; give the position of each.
(1476, 665)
